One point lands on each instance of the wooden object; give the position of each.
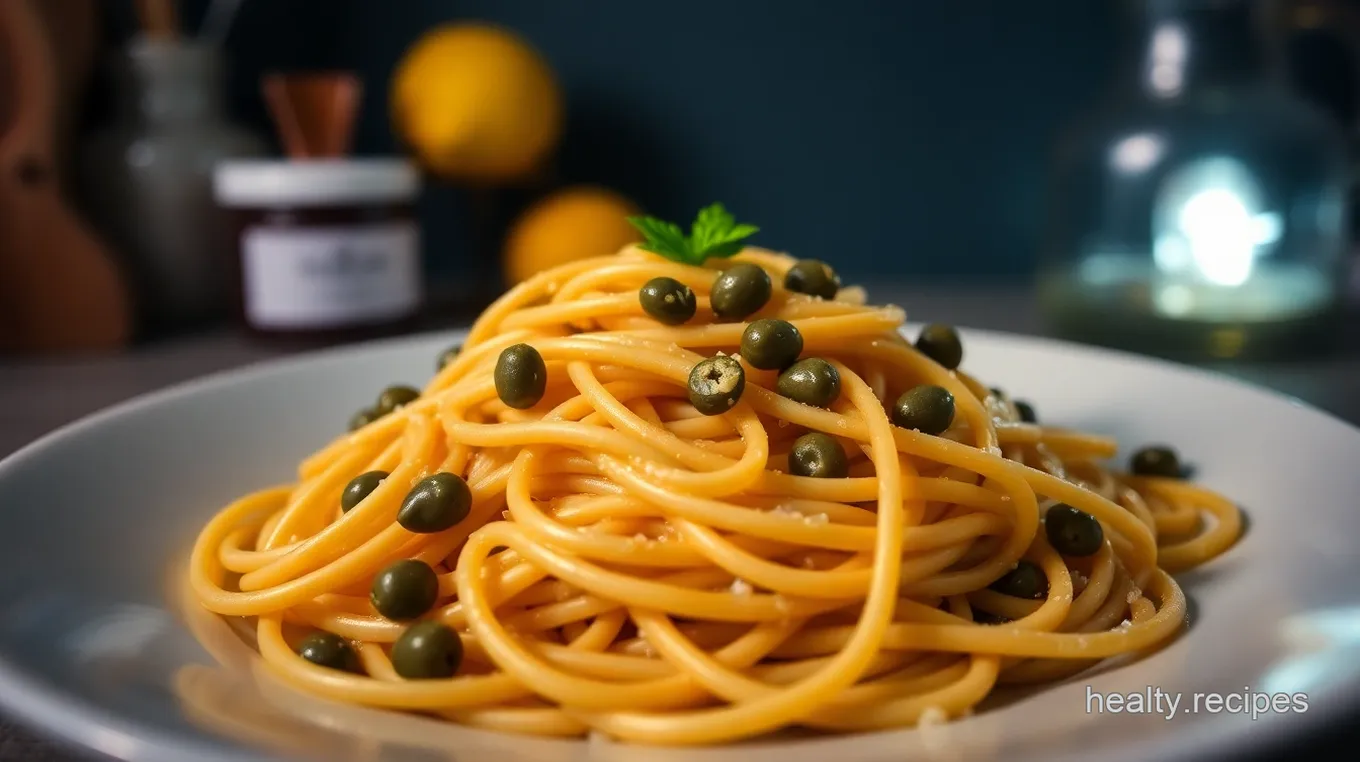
(158, 18)
(314, 112)
(59, 289)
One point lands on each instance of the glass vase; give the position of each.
(1200, 213)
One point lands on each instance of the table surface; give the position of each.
(44, 393)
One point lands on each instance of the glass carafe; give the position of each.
(1201, 212)
(147, 179)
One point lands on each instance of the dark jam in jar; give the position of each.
(326, 251)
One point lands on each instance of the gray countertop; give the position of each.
(42, 394)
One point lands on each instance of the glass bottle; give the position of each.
(147, 179)
(1201, 212)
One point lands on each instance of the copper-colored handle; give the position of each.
(313, 112)
(158, 18)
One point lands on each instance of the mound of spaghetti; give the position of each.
(697, 492)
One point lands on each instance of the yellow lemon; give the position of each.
(571, 224)
(476, 103)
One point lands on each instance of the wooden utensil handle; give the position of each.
(158, 18)
(313, 112)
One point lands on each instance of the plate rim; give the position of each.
(66, 721)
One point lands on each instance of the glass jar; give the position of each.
(147, 179)
(1200, 213)
(323, 250)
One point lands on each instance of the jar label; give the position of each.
(325, 277)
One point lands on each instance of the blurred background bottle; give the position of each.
(1201, 212)
(1322, 44)
(148, 178)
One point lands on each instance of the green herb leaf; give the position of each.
(664, 238)
(712, 220)
(714, 233)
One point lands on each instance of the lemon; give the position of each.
(476, 103)
(570, 224)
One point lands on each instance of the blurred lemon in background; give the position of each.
(570, 224)
(476, 103)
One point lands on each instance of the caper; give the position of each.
(326, 649)
(436, 503)
(1072, 532)
(927, 408)
(521, 376)
(819, 455)
(359, 488)
(1026, 412)
(427, 650)
(363, 418)
(394, 397)
(667, 300)
(811, 381)
(1156, 461)
(740, 291)
(810, 276)
(715, 384)
(405, 589)
(771, 344)
(941, 343)
(1026, 580)
(449, 355)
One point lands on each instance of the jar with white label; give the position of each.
(326, 249)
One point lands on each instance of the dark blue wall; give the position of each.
(902, 137)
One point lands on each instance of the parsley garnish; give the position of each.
(715, 233)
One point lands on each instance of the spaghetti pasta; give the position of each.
(627, 564)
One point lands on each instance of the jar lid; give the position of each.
(323, 182)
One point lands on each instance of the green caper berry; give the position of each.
(436, 503)
(394, 397)
(740, 291)
(405, 589)
(715, 384)
(813, 277)
(1156, 461)
(326, 649)
(1026, 580)
(363, 418)
(449, 355)
(818, 455)
(668, 300)
(927, 408)
(771, 344)
(941, 344)
(1026, 412)
(359, 488)
(811, 381)
(521, 376)
(1072, 532)
(427, 650)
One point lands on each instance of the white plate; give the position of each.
(95, 520)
